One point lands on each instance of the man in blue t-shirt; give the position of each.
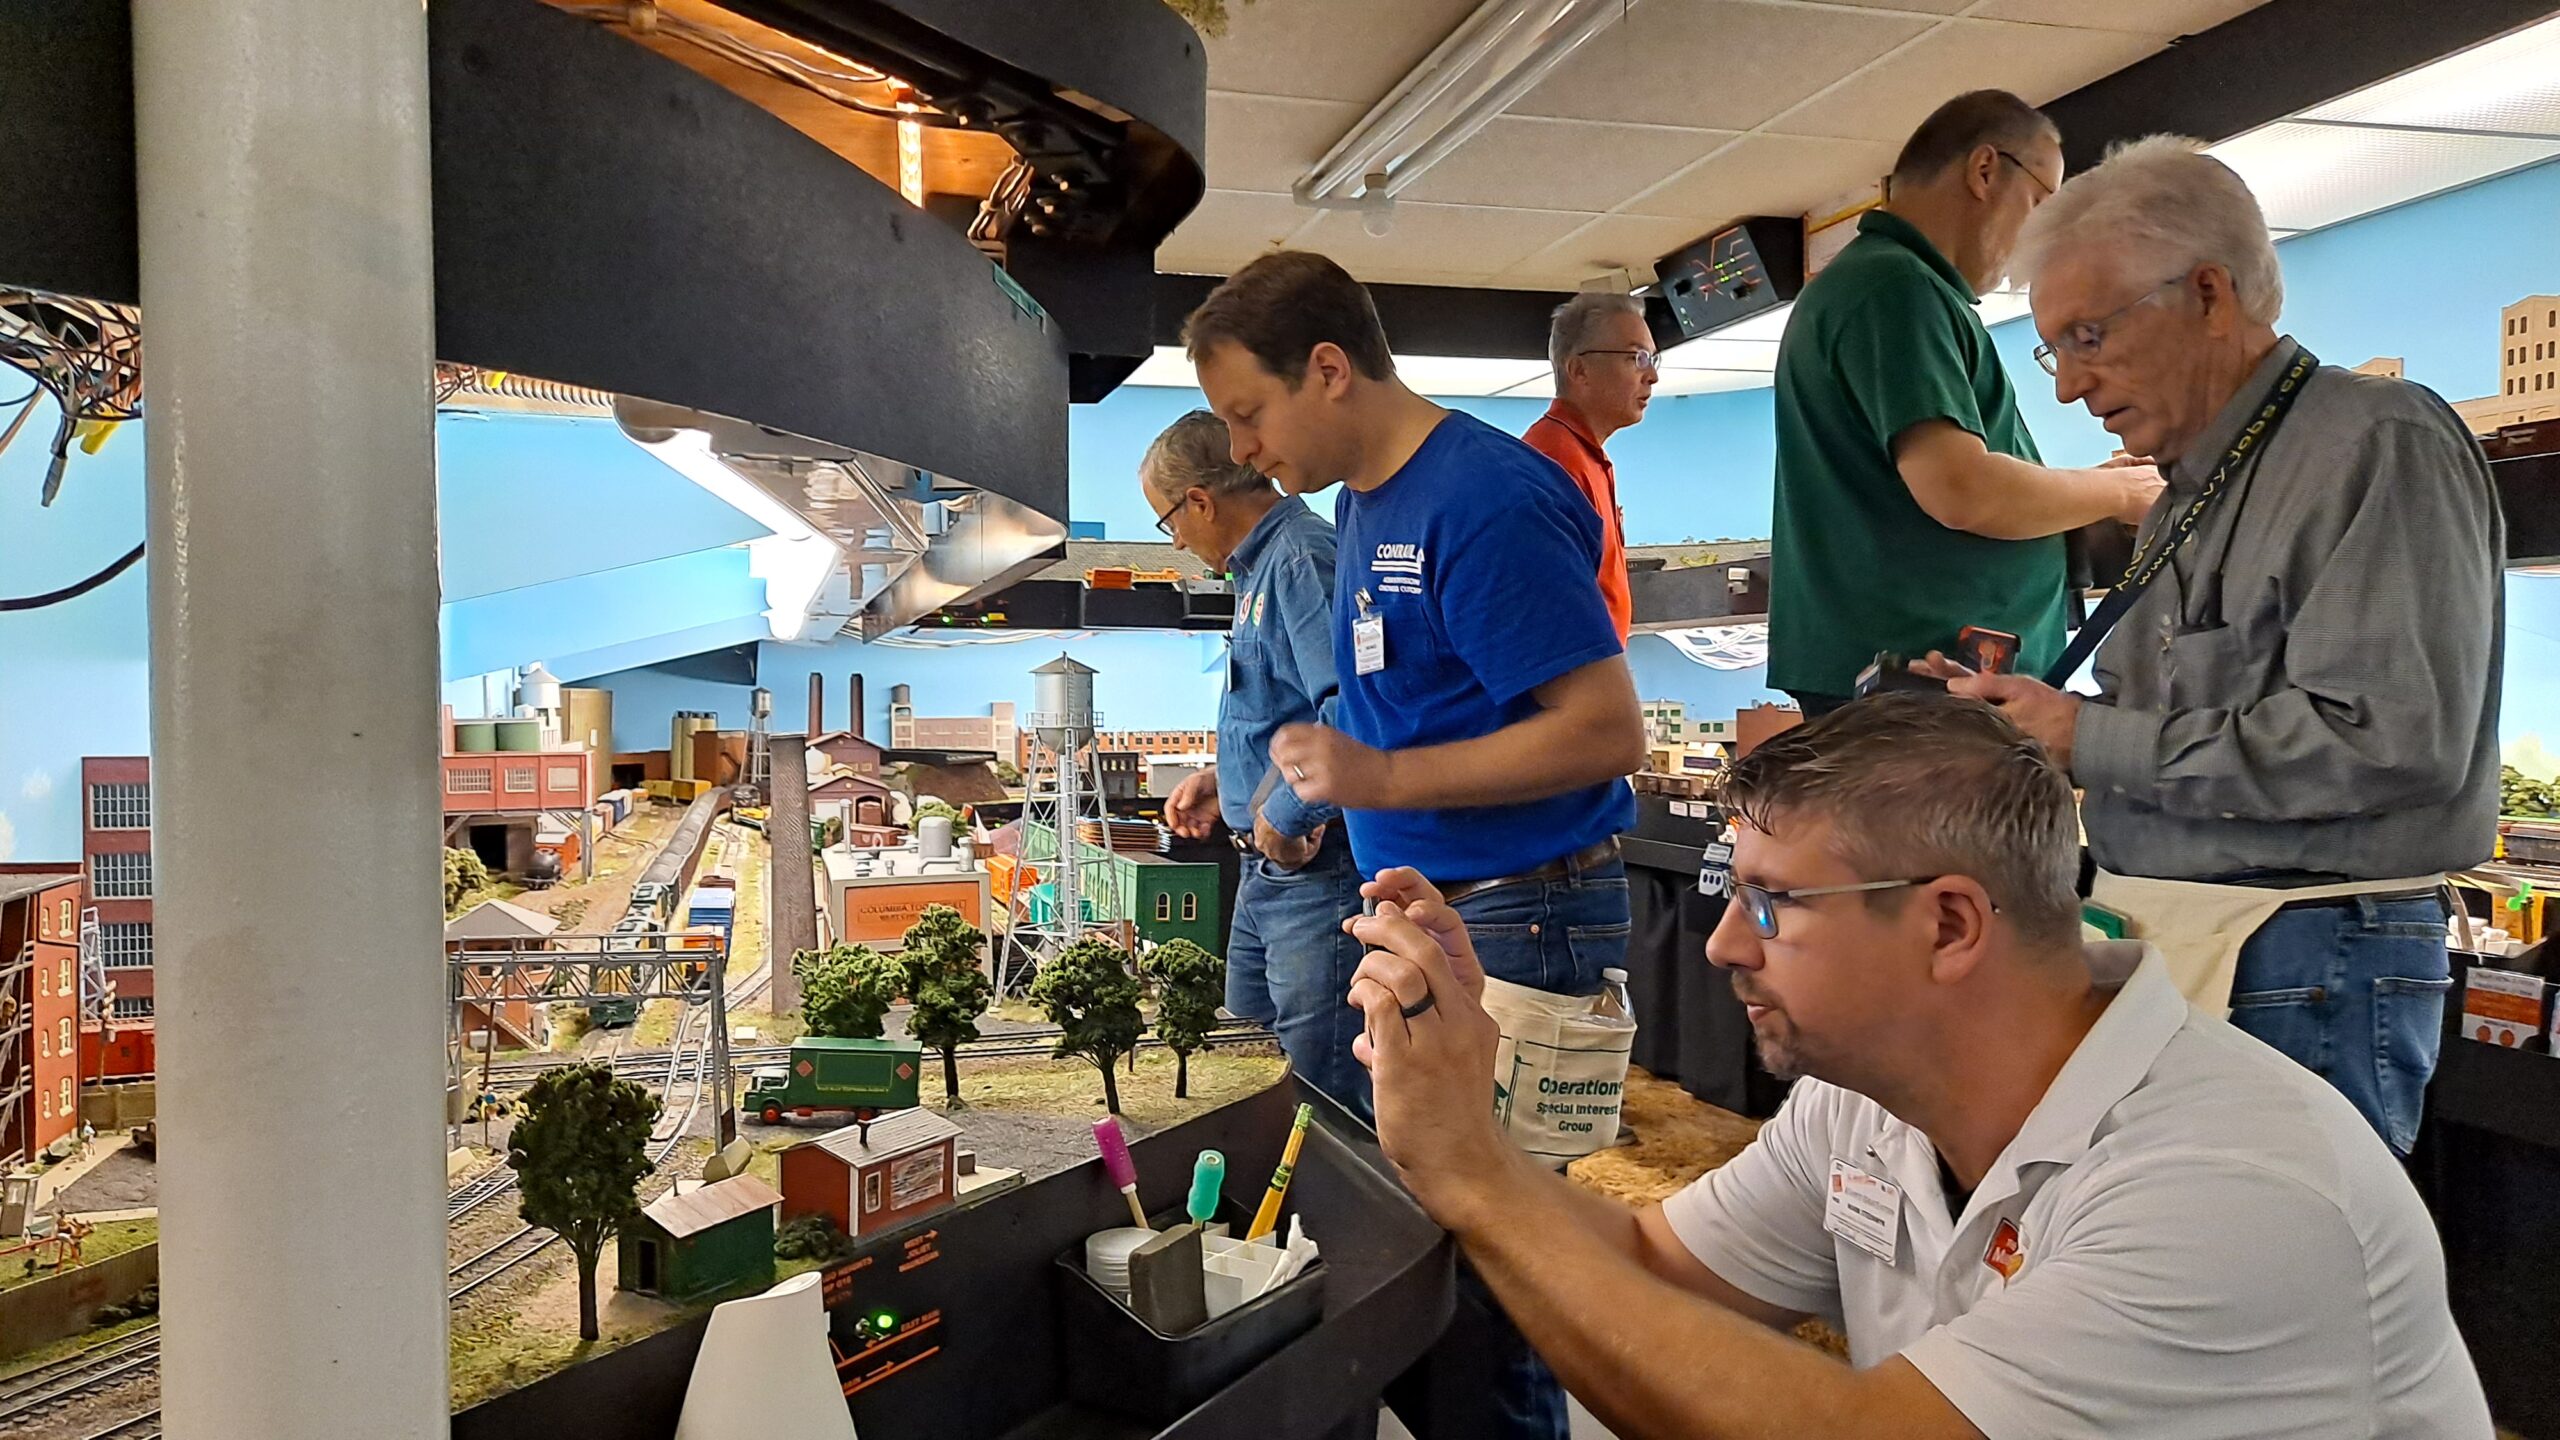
(1487, 718)
(1487, 715)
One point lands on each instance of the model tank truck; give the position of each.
(865, 1077)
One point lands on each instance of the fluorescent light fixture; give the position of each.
(2307, 176)
(1492, 58)
(795, 562)
(2510, 85)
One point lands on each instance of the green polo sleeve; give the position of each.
(1904, 356)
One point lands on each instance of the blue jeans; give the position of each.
(1289, 964)
(2356, 992)
(1555, 935)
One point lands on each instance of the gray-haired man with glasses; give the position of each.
(1605, 369)
(2296, 727)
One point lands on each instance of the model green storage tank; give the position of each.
(475, 737)
(519, 734)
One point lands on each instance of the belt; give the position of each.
(1579, 860)
(2387, 897)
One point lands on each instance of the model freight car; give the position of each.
(865, 1077)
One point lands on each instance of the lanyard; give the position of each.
(2170, 538)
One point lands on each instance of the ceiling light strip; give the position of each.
(1492, 58)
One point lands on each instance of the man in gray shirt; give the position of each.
(2295, 733)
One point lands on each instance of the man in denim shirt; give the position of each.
(1289, 961)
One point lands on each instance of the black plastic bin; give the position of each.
(987, 1356)
(1118, 1362)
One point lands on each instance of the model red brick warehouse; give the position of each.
(116, 881)
(908, 1168)
(39, 1008)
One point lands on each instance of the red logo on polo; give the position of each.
(2007, 1252)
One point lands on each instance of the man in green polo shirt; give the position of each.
(1911, 501)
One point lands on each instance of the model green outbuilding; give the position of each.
(705, 1239)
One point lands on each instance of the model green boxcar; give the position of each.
(866, 1077)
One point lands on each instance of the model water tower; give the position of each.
(1060, 795)
(538, 695)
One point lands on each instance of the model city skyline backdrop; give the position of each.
(563, 543)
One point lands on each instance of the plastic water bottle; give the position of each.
(1611, 1006)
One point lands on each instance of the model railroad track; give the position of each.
(110, 1362)
(140, 1427)
(524, 1244)
(477, 1193)
(650, 1066)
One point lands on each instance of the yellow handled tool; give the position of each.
(1267, 1219)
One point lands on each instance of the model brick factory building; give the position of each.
(39, 1009)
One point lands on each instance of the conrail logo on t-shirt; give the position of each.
(1398, 565)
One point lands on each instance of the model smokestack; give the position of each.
(853, 696)
(817, 703)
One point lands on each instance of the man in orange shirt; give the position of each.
(1605, 369)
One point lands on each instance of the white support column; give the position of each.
(287, 309)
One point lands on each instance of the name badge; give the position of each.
(1369, 644)
(1715, 865)
(1864, 1209)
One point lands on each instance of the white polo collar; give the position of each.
(2111, 1060)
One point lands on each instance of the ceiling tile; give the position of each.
(1327, 49)
(2163, 18)
(2307, 176)
(1444, 242)
(1934, 7)
(2037, 61)
(1712, 64)
(1769, 174)
(1230, 228)
(1610, 242)
(1560, 164)
(1265, 142)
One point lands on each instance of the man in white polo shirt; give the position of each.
(2041, 1194)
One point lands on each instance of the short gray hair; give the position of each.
(1915, 784)
(1194, 451)
(2170, 206)
(1577, 318)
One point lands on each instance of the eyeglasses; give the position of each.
(2082, 339)
(2023, 170)
(1164, 521)
(1760, 904)
(1645, 359)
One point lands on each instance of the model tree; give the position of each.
(1093, 1000)
(1190, 982)
(931, 806)
(846, 991)
(579, 1152)
(950, 991)
(463, 873)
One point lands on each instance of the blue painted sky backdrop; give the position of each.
(562, 542)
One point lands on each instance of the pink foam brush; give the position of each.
(1117, 1164)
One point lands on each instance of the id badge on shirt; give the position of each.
(1368, 639)
(1863, 1209)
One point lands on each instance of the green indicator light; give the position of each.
(884, 1321)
